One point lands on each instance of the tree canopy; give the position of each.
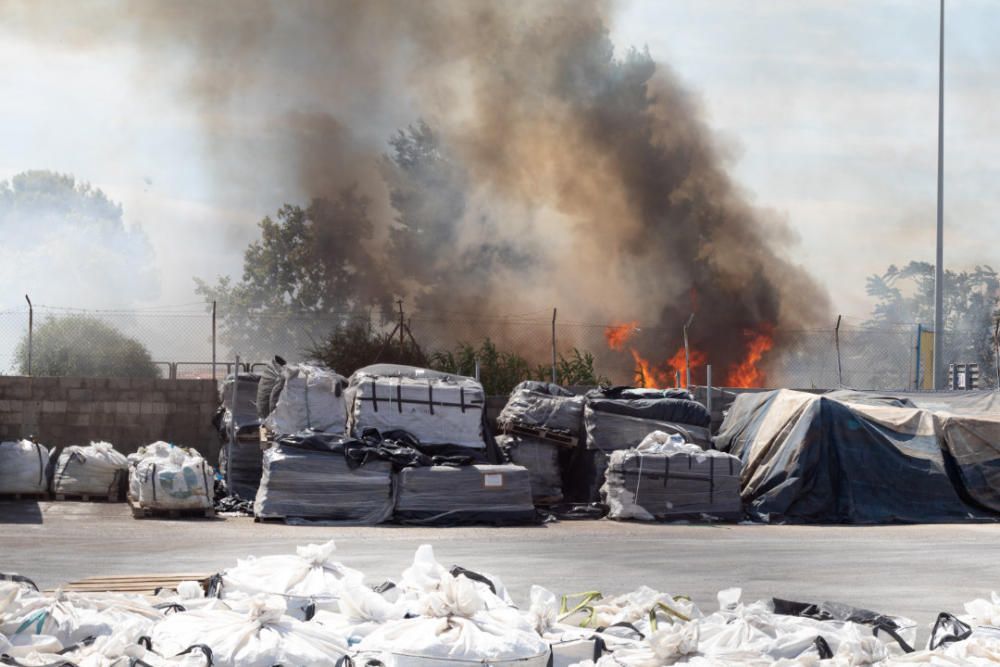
(83, 346)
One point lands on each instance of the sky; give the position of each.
(825, 109)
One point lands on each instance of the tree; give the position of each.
(66, 241)
(84, 346)
(310, 272)
(971, 303)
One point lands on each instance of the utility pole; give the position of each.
(937, 366)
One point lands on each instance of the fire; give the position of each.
(648, 374)
(746, 373)
(619, 334)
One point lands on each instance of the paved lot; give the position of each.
(916, 571)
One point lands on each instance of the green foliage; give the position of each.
(499, 371)
(971, 304)
(84, 346)
(578, 369)
(355, 346)
(309, 272)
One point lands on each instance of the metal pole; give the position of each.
(402, 325)
(836, 338)
(938, 374)
(31, 330)
(916, 375)
(708, 391)
(687, 353)
(555, 380)
(996, 352)
(677, 380)
(213, 340)
(476, 369)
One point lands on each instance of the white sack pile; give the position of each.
(308, 609)
(95, 470)
(162, 476)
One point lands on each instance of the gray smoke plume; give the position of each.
(544, 168)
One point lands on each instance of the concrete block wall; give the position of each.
(127, 412)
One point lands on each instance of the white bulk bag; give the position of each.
(94, 470)
(162, 476)
(261, 636)
(311, 399)
(309, 575)
(455, 626)
(22, 467)
(362, 611)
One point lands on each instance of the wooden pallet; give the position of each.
(25, 496)
(110, 498)
(152, 513)
(141, 584)
(560, 438)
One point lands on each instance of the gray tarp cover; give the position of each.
(856, 457)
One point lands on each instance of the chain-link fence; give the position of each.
(183, 341)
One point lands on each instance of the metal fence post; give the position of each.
(836, 338)
(687, 353)
(555, 380)
(213, 340)
(31, 330)
(708, 392)
(916, 374)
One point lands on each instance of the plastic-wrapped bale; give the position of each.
(244, 472)
(543, 406)
(541, 458)
(308, 477)
(447, 495)
(665, 478)
(23, 467)
(311, 398)
(611, 425)
(585, 475)
(164, 477)
(437, 408)
(95, 470)
(271, 382)
(239, 430)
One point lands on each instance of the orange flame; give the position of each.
(648, 374)
(746, 373)
(619, 334)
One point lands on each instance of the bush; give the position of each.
(84, 346)
(355, 346)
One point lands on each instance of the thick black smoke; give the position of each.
(553, 170)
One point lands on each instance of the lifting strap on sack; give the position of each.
(18, 579)
(948, 629)
(892, 632)
(823, 648)
(457, 570)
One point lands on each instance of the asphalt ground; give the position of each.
(914, 571)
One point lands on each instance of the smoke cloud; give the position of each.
(556, 169)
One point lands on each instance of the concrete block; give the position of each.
(78, 419)
(54, 406)
(71, 382)
(20, 389)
